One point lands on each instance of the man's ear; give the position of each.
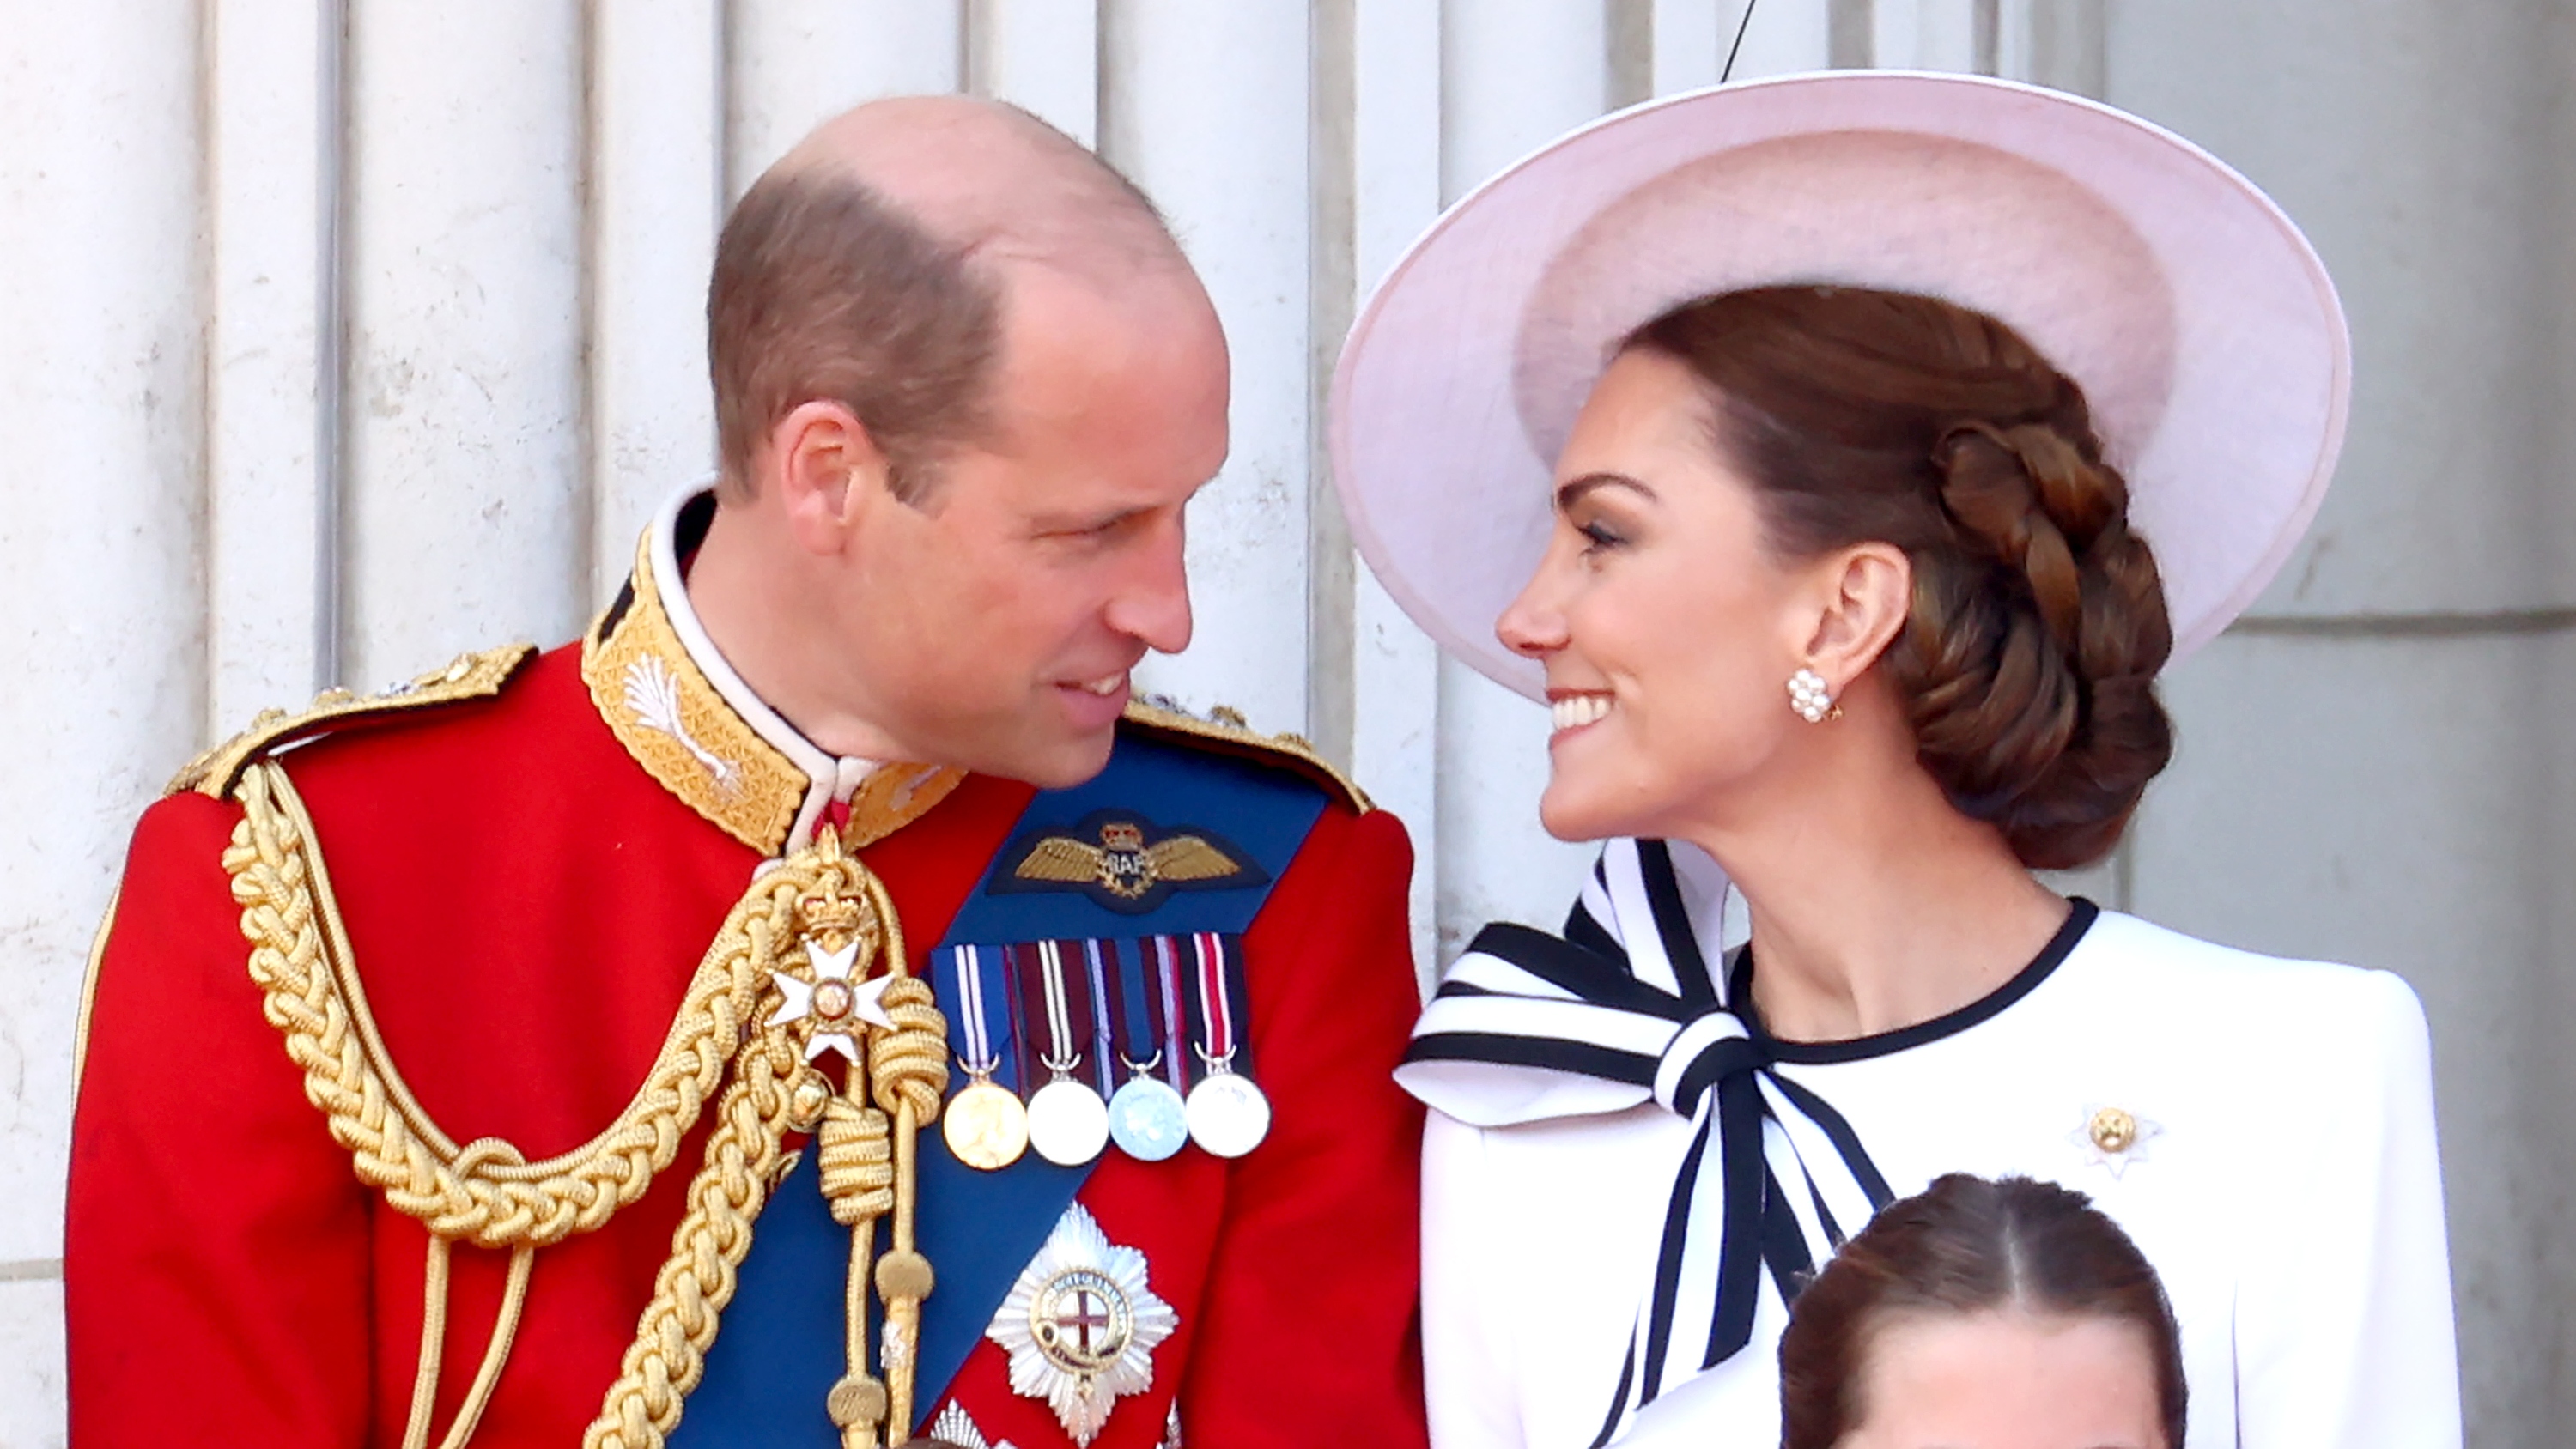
(1868, 591)
(829, 473)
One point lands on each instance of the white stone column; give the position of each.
(1176, 76)
(795, 63)
(102, 497)
(273, 336)
(467, 517)
(1391, 182)
(1042, 56)
(657, 197)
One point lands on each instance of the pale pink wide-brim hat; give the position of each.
(2199, 322)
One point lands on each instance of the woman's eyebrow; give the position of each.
(1573, 492)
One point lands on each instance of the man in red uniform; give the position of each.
(459, 1060)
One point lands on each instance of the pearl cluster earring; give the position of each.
(1809, 697)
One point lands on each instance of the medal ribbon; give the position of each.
(1018, 963)
(1064, 1052)
(1216, 1001)
(978, 1058)
(1140, 1010)
(1102, 1067)
(1175, 1022)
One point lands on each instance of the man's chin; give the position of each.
(1060, 763)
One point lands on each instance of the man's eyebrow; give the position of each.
(1574, 491)
(1088, 522)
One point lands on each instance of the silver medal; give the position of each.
(1227, 1114)
(1147, 1119)
(1068, 1123)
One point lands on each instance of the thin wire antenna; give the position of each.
(1741, 26)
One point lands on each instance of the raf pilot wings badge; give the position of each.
(1124, 862)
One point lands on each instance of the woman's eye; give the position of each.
(1598, 536)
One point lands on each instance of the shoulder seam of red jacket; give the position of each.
(473, 675)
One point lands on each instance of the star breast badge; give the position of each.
(1080, 1325)
(1124, 862)
(956, 1427)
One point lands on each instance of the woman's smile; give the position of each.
(1571, 710)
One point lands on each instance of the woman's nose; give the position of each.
(1533, 625)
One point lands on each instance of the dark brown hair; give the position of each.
(1962, 1246)
(823, 289)
(2027, 665)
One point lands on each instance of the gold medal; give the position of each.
(986, 1127)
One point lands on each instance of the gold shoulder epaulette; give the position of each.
(1225, 730)
(474, 675)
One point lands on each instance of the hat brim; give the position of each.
(2200, 323)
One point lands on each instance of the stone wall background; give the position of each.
(339, 336)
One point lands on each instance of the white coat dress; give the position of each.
(2279, 1171)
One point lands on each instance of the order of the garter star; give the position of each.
(1081, 1325)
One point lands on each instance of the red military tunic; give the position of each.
(529, 880)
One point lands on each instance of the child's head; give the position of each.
(1984, 1315)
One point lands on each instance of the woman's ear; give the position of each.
(1868, 592)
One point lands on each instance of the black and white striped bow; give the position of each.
(1622, 1010)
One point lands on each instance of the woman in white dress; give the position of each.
(1843, 457)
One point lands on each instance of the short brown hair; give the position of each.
(1963, 1246)
(824, 289)
(2027, 665)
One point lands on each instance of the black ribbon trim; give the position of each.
(1554, 1054)
(1600, 980)
(1673, 925)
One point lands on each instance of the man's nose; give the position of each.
(1154, 603)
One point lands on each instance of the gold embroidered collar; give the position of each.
(690, 721)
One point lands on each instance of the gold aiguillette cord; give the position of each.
(869, 1138)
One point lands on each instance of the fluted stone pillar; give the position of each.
(335, 338)
(2376, 764)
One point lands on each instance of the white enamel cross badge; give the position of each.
(838, 1005)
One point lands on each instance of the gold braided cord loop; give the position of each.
(668, 1354)
(857, 1162)
(910, 1063)
(485, 1193)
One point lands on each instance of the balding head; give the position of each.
(875, 262)
(991, 180)
(967, 388)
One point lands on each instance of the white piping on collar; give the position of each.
(828, 777)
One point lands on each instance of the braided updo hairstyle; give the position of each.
(2028, 660)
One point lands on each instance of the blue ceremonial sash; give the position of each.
(778, 1350)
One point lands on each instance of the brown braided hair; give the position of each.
(2027, 665)
(1965, 1246)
